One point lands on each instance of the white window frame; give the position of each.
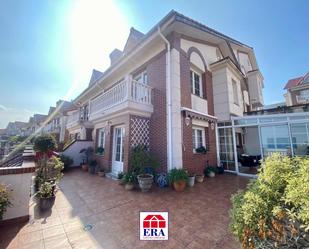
(235, 92)
(101, 140)
(194, 130)
(192, 73)
(142, 77)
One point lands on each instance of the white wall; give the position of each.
(176, 112)
(74, 149)
(220, 92)
(20, 194)
(199, 104)
(235, 109)
(209, 52)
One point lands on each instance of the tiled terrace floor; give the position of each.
(198, 217)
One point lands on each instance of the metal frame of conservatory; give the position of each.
(260, 121)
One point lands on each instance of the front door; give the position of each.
(118, 150)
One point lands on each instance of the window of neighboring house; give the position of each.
(235, 92)
(101, 138)
(198, 137)
(142, 78)
(196, 83)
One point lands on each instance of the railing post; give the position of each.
(128, 80)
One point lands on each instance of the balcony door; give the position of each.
(118, 149)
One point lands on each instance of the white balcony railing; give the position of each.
(73, 118)
(302, 98)
(125, 91)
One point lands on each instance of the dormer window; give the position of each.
(142, 78)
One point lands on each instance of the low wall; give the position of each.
(18, 180)
(74, 149)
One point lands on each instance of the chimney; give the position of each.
(115, 55)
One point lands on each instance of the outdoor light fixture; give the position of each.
(212, 126)
(187, 121)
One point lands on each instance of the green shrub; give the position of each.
(176, 175)
(273, 212)
(4, 200)
(67, 161)
(142, 160)
(46, 190)
(45, 143)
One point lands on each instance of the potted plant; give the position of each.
(46, 196)
(67, 161)
(144, 166)
(128, 180)
(199, 178)
(100, 150)
(191, 180)
(145, 182)
(4, 200)
(201, 150)
(178, 178)
(92, 166)
(101, 172)
(210, 171)
(87, 154)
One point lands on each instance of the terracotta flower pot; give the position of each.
(129, 186)
(179, 186)
(199, 178)
(85, 167)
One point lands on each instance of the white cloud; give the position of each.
(8, 114)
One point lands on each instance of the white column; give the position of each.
(176, 110)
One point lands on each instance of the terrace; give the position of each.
(198, 217)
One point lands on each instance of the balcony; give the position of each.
(302, 99)
(128, 95)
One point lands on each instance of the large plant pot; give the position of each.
(101, 173)
(199, 178)
(129, 186)
(91, 170)
(85, 167)
(145, 182)
(179, 186)
(46, 203)
(211, 174)
(191, 180)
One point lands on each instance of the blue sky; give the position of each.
(48, 48)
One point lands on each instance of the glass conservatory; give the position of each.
(244, 141)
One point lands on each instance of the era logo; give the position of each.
(153, 225)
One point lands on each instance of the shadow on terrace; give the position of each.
(95, 212)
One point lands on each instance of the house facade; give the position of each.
(168, 90)
(56, 120)
(297, 91)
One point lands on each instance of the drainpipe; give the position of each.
(169, 102)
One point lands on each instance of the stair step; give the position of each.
(112, 176)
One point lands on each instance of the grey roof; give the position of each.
(96, 74)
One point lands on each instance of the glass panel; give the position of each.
(300, 139)
(197, 84)
(226, 148)
(275, 139)
(273, 119)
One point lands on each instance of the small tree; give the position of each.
(45, 143)
(141, 159)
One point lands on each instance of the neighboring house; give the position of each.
(34, 124)
(16, 128)
(56, 120)
(297, 90)
(167, 90)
